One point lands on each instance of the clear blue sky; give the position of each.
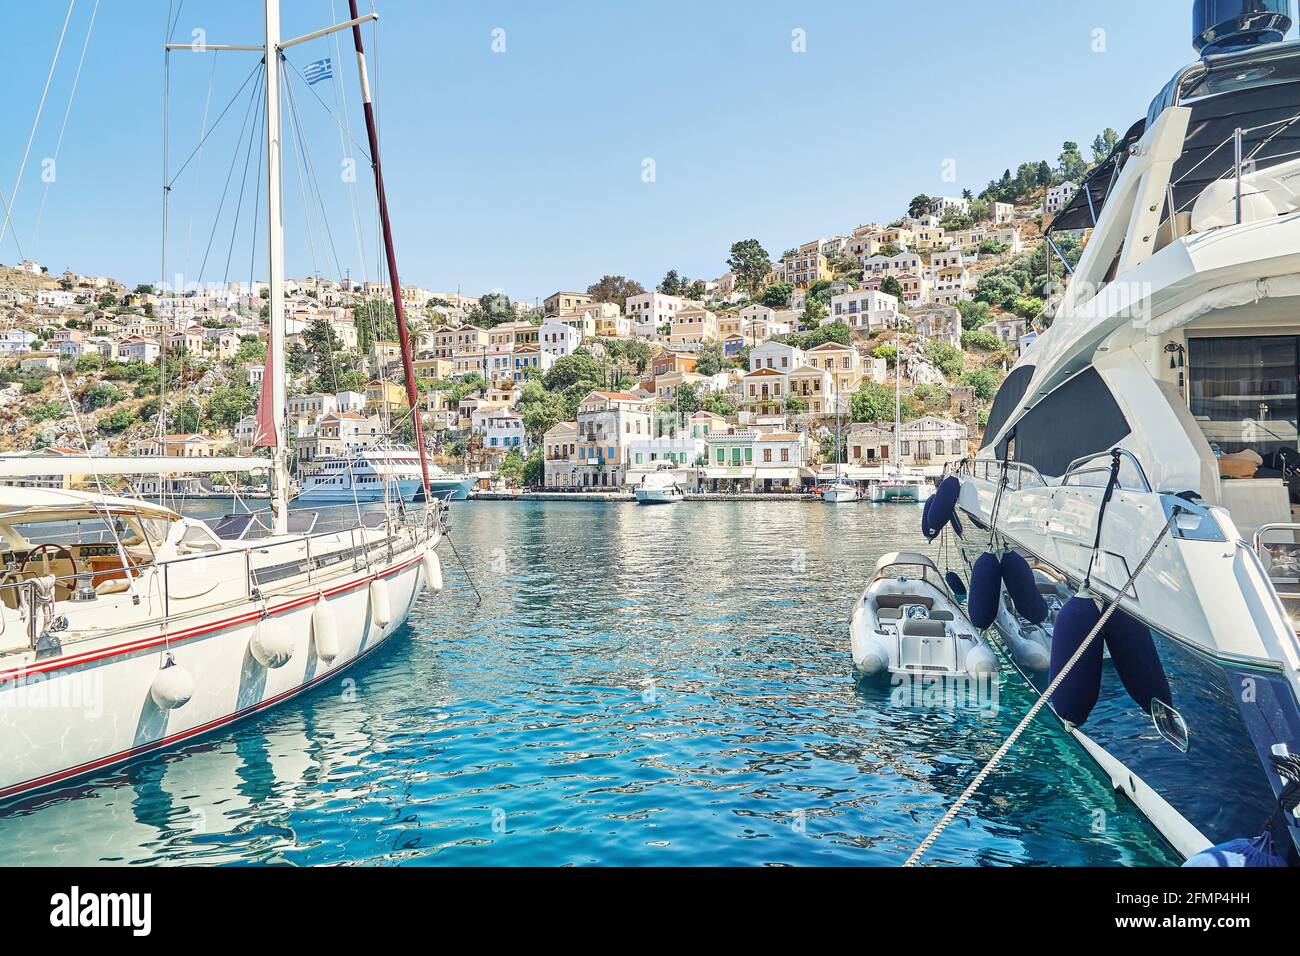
(522, 170)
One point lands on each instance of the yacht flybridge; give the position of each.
(126, 627)
(1159, 412)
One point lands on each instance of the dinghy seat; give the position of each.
(924, 627)
(899, 600)
(941, 615)
(889, 613)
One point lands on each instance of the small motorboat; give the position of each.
(841, 493)
(900, 488)
(659, 488)
(908, 622)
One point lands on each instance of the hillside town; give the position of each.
(881, 347)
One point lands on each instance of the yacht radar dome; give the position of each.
(1219, 26)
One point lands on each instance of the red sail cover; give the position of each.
(264, 433)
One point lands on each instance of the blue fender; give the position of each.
(985, 589)
(940, 507)
(1019, 580)
(1136, 660)
(955, 584)
(1257, 852)
(1078, 693)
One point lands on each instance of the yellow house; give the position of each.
(433, 369)
(814, 387)
(383, 396)
(842, 362)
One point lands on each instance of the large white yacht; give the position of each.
(1172, 359)
(377, 474)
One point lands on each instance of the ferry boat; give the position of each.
(1156, 419)
(376, 474)
(126, 627)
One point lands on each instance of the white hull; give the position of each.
(909, 492)
(90, 707)
(841, 494)
(657, 496)
(369, 492)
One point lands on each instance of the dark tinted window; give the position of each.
(1006, 400)
(1077, 419)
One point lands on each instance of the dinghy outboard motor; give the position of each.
(1221, 26)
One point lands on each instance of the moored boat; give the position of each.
(908, 622)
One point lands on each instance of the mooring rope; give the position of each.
(1040, 703)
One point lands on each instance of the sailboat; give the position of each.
(899, 486)
(126, 627)
(840, 491)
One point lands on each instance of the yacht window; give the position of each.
(197, 537)
(1078, 418)
(1242, 391)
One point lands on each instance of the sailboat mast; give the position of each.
(275, 245)
(898, 408)
(404, 339)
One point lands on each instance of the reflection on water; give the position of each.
(640, 686)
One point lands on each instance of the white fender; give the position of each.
(172, 686)
(432, 571)
(272, 642)
(325, 631)
(381, 610)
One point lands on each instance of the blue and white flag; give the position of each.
(318, 70)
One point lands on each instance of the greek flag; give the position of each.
(318, 70)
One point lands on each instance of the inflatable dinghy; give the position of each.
(907, 622)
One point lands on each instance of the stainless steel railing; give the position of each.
(258, 582)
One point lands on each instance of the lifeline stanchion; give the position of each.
(1038, 704)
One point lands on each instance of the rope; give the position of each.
(76, 79)
(1040, 703)
(13, 193)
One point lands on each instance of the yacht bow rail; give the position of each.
(255, 582)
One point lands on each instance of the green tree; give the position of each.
(919, 206)
(118, 421)
(228, 404)
(974, 314)
(749, 263)
(1028, 307)
(891, 286)
(184, 418)
(777, 295)
(981, 341)
(569, 370)
(100, 395)
(535, 469)
(1070, 165)
(1103, 143)
(983, 382)
(946, 357)
(492, 309)
(512, 467)
(672, 284)
(615, 289)
(376, 322)
(872, 402)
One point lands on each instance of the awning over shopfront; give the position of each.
(777, 474)
(729, 474)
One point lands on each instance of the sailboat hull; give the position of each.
(91, 708)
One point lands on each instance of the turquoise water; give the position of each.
(640, 686)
